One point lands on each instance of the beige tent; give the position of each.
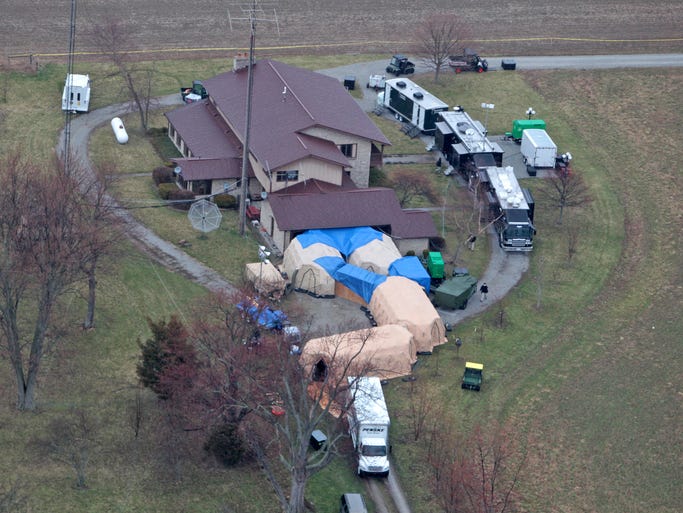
(376, 256)
(266, 278)
(385, 351)
(402, 301)
(304, 273)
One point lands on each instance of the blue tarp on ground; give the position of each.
(358, 280)
(346, 240)
(411, 267)
(265, 316)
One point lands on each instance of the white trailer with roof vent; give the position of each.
(76, 94)
(413, 104)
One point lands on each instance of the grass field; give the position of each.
(591, 381)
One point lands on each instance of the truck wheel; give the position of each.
(464, 305)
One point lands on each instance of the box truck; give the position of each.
(368, 420)
(538, 149)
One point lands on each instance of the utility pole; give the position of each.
(69, 84)
(251, 14)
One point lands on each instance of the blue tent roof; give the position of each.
(359, 280)
(346, 240)
(411, 267)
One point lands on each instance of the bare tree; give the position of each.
(477, 474)
(41, 243)
(99, 226)
(114, 40)
(565, 189)
(410, 185)
(421, 407)
(12, 498)
(439, 36)
(70, 439)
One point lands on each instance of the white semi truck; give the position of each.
(368, 419)
(512, 208)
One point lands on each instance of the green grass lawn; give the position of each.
(590, 381)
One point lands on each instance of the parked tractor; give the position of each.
(469, 61)
(400, 65)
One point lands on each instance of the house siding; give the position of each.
(360, 165)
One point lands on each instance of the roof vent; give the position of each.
(401, 84)
(418, 95)
(463, 126)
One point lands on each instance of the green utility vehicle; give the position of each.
(194, 93)
(519, 125)
(400, 65)
(472, 378)
(456, 291)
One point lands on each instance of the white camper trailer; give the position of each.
(76, 94)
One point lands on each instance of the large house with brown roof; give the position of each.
(310, 151)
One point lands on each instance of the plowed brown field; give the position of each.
(515, 27)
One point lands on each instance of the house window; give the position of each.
(287, 176)
(349, 150)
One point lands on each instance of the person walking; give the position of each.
(484, 289)
(471, 240)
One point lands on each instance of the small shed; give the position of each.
(402, 301)
(266, 278)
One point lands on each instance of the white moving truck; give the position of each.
(76, 93)
(369, 426)
(538, 149)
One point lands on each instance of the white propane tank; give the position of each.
(119, 130)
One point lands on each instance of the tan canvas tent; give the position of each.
(376, 256)
(402, 301)
(266, 278)
(385, 351)
(304, 273)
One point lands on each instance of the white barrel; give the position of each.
(119, 130)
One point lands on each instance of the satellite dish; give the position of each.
(204, 216)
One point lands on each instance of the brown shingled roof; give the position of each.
(286, 101)
(204, 131)
(349, 208)
(211, 169)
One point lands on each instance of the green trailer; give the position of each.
(519, 125)
(455, 292)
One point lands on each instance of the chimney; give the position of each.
(240, 61)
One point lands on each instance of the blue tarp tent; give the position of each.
(411, 267)
(346, 240)
(358, 280)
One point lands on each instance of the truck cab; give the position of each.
(373, 457)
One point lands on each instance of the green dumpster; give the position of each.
(455, 292)
(435, 265)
